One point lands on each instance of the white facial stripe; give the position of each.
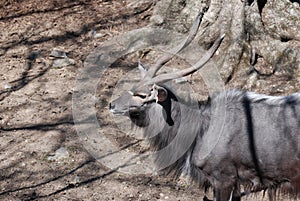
(130, 92)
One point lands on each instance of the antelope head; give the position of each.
(135, 102)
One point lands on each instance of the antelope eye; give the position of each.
(142, 96)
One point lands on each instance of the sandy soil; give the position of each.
(41, 155)
(36, 103)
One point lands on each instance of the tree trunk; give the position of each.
(261, 50)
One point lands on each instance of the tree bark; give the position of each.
(261, 50)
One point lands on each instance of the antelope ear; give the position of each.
(160, 93)
(142, 69)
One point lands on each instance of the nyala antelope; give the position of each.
(253, 144)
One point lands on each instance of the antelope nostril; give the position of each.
(111, 106)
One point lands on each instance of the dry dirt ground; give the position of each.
(41, 155)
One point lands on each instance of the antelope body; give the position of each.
(234, 139)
